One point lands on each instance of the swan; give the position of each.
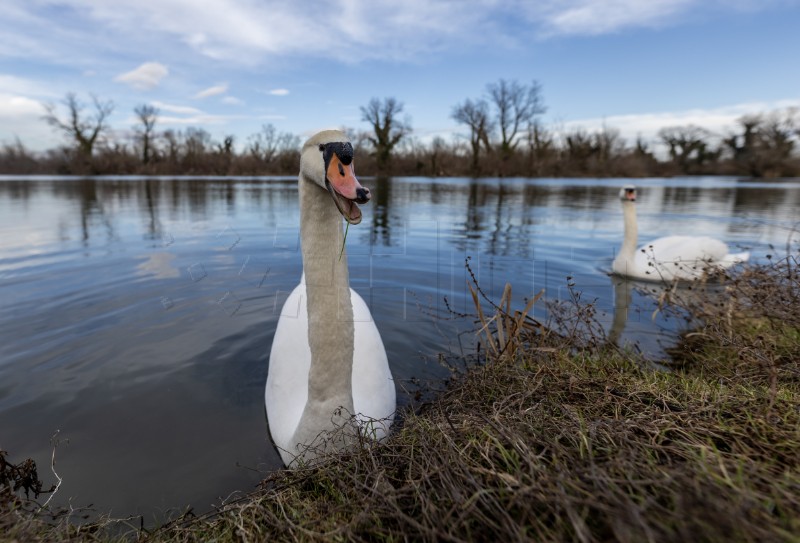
(671, 257)
(327, 360)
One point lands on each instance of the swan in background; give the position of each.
(668, 258)
(327, 360)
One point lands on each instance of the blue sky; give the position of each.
(304, 65)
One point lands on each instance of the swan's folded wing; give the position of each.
(289, 363)
(686, 249)
(374, 395)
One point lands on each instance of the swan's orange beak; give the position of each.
(345, 189)
(630, 195)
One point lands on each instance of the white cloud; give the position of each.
(719, 121)
(279, 92)
(19, 106)
(12, 84)
(232, 101)
(212, 91)
(21, 112)
(592, 17)
(145, 77)
(180, 110)
(21, 117)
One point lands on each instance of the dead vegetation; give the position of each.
(15, 477)
(746, 330)
(543, 441)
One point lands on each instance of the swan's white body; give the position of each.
(327, 360)
(671, 257)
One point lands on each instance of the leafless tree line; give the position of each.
(504, 136)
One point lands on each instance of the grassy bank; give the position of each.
(547, 440)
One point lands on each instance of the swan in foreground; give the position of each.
(668, 258)
(327, 361)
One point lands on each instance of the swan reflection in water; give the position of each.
(638, 305)
(622, 300)
(632, 327)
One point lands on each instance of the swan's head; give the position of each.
(327, 160)
(627, 193)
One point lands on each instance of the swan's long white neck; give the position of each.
(330, 314)
(625, 258)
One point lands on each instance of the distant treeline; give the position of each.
(503, 136)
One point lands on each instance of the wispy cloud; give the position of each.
(593, 17)
(196, 120)
(244, 31)
(232, 101)
(174, 114)
(212, 91)
(279, 92)
(145, 77)
(180, 110)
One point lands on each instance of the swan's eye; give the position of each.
(322, 147)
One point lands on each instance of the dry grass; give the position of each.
(745, 331)
(543, 442)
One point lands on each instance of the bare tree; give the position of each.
(226, 147)
(688, 145)
(541, 148)
(475, 115)
(387, 128)
(147, 116)
(516, 107)
(578, 150)
(359, 138)
(766, 144)
(438, 148)
(172, 147)
(608, 144)
(269, 143)
(84, 130)
(197, 142)
(15, 158)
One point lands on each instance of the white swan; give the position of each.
(327, 360)
(668, 258)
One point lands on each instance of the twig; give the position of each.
(54, 441)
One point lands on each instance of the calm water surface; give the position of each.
(136, 314)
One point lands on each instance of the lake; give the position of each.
(136, 314)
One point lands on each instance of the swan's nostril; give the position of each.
(362, 195)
